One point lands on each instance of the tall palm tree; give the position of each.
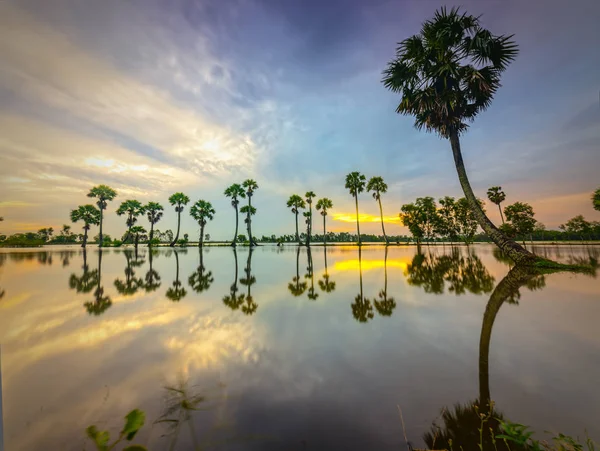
(90, 215)
(178, 200)
(154, 211)
(295, 202)
(596, 199)
(202, 211)
(355, 183)
(378, 186)
(323, 205)
(133, 209)
(235, 192)
(104, 194)
(250, 186)
(497, 196)
(447, 75)
(310, 195)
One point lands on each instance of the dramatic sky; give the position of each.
(152, 97)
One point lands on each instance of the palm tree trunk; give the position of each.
(85, 233)
(137, 237)
(201, 240)
(151, 234)
(101, 220)
(324, 232)
(382, 226)
(309, 226)
(178, 227)
(357, 221)
(516, 252)
(234, 242)
(250, 237)
(176, 266)
(385, 273)
(236, 268)
(360, 272)
(297, 235)
(501, 216)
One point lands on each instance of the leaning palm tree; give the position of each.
(447, 75)
(104, 194)
(310, 195)
(596, 199)
(202, 211)
(178, 200)
(250, 186)
(378, 186)
(295, 202)
(323, 205)
(90, 215)
(236, 192)
(497, 196)
(154, 211)
(133, 209)
(355, 183)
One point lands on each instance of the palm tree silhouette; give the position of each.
(179, 200)
(308, 215)
(104, 194)
(131, 284)
(295, 202)
(323, 205)
(133, 209)
(152, 279)
(250, 186)
(202, 211)
(154, 212)
(355, 183)
(378, 186)
(497, 196)
(235, 192)
(90, 215)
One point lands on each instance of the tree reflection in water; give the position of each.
(2, 260)
(296, 287)
(131, 284)
(362, 310)
(233, 300)
(461, 273)
(152, 280)
(87, 280)
(176, 291)
(325, 284)
(310, 275)
(200, 281)
(385, 305)
(467, 426)
(249, 307)
(101, 303)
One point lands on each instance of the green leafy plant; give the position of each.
(133, 423)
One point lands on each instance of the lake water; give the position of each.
(306, 351)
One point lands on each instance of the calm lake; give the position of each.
(290, 350)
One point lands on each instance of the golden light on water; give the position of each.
(363, 217)
(355, 265)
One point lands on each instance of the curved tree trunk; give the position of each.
(382, 226)
(297, 235)
(501, 216)
(178, 227)
(237, 219)
(101, 221)
(357, 221)
(151, 234)
(516, 252)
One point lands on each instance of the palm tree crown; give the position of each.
(378, 186)
(154, 211)
(449, 72)
(132, 208)
(250, 186)
(235, 192)
(202, 211)
(103, 193)
(295, 202)
(496, 195)
(89, 214)
(179, 200)
(323, 205)
(355, 183)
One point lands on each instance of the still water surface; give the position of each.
(289, 349)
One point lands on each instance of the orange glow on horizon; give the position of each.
(363, 217)
(367, 265)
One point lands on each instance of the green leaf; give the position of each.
(133, 423)
(135, 448)
(100, 438)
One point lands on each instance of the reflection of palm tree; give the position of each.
(296, 287)
(312, 295)
(101, 303)
(463, 425)
(362, 310)
(326, 284)
(249, 306)
(385, 306)
(198, 280)
(87, 281)
(131, 284)
(153, 282)
(176, 292)
(233, 301)
(432, 272)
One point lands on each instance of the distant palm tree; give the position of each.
(235, 192)
(137, 232)
(90, 216)
(176, 292)
(178, 200)
(104, 194)
(323, 205)
(154, 211)
(295, 202)
(133, 209)
(447, 75)
(250, 186)
(202, 211)
(309, 197)
(355, 183)
(497, 196)
(596, 199)
(378, 186)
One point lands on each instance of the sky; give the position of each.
(153, 97)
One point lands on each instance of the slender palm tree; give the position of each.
(378, 186)
(104, 194)
(323, 205)
(179, 200)
(90, 216)
(202, 211)
(295, 202)
(250, 186)
(235, 192)
(154, 211)
(447, 75)
(497, 196)
(310, 195)
(355, 183)
(133, 209)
